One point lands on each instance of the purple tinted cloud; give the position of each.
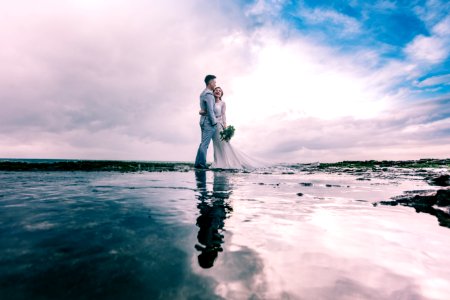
(121, 80)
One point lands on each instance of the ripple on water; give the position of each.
(40, 226)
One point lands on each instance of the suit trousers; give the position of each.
(207, 133)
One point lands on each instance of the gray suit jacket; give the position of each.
(207, 104)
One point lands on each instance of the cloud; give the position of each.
(385, 5)
(404, 134)
(340, 23)
(121, 80)
(431, 49)
(435, 80)
(78, 71)
(298, 78)
(432, 11)
(314, 103)
(265, 7)
(427, 49)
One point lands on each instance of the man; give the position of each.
(208, 122)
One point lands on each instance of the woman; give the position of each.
(226, 156)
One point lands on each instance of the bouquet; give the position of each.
(227, 133)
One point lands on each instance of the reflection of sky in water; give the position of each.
(105, 235)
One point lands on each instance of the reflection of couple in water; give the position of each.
(214, 208)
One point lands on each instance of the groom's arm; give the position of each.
(209, 99)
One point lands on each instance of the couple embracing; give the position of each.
(212, 122)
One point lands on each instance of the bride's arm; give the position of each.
(224, 116)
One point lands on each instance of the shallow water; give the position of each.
(213, 235)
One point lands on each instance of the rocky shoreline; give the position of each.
(433, 203)
(96, 165)
(352, 167)
(420, 163)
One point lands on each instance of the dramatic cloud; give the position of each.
(435, 80)
(434, 48)
(341, 23)
(90, 77)
(121, 80)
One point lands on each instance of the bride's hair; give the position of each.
(221, 91)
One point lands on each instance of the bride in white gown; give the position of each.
(225, 155)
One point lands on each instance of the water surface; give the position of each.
(214, 235)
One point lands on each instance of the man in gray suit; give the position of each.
(208, 122)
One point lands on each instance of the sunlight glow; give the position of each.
(296, 80)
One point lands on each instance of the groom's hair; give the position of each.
(208, 78)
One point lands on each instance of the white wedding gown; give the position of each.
(225, 155)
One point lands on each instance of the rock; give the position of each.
(299, 194)
(418, 200)
(443, 180)
(426, 204)
(391, 203)
(332, 185)
(94, 165)
(306, 183)
(443, 198)
(419, 192)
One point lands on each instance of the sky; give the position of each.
(304, 81)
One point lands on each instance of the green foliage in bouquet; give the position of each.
(227, 133)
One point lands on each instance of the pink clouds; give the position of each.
(120, 80)
(78, 70)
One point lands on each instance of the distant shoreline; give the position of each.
(91, 165)
(8, 164)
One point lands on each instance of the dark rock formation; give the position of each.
(427, 204)
(94, 165)
(384, 164)
(443, 180)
